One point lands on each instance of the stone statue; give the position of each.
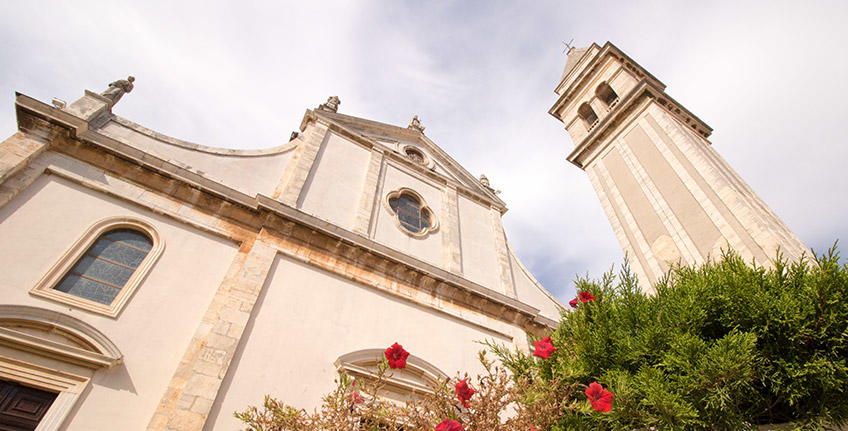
(332, 104)
(118, 88)
(485, 182)
(415, 123)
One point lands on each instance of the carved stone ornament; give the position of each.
(331, 105)
(485, 182)
(415, 124)
(118, 88)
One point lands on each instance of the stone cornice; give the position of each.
(589, 70)
(259, 211)
(598, 138)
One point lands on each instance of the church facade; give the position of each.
(152, 283)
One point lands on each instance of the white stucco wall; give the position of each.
(529, 291)
(155, 327)
(479, 259)
(288, 350)
(429, 248)
(249, 174)
(334, 185)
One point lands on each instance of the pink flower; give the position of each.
(544, 348)
(585, 296)
(573, 303)
(464, 392)
(449, 425)
(600, 398)
(396, 356)
(356, 398)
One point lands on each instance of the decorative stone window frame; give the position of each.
(54, 352)
(45, 286)
(427, 162)
(434, 221)
(418, 377)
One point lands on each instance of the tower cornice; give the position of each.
(585, 150)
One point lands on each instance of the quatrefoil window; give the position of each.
(411, 213)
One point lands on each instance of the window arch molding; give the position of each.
(53, 352)
(589, 116)
(45, 286)
(419, 376)
(423, 207)
(606, 94)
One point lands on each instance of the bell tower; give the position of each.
(667, 193)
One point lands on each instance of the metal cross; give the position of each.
(567, 45)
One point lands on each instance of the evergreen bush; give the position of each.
(724, 346)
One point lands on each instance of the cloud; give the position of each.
(767, 76)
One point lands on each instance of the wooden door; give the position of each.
(22, 407)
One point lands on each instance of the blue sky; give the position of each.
(768, 76)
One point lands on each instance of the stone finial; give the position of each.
(415, 124)
(118, 88)
(331, 105)
(485, 182)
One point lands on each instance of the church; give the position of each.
(153, 283)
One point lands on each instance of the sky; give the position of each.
(768, 76)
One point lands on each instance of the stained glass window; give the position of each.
(106, 266)
(410, 213)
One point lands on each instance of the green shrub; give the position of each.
(722, 346)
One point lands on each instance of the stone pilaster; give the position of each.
(451, 252)
(297, 171)
(17, 167)
(615, 221)
(17, 152)
(688, 250)
(645, 262)
(194, 386)
(506, 282)
(365, 209)
(689, 180)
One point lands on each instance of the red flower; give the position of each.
(585, 296)
(464, 392)
(600, 398)
(356, 398)
(396, 356)
(573, 303)
(449, 425)
(544, 348)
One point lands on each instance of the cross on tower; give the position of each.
(567, 45)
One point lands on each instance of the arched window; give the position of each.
(587, 114)
(103, 267)
(411, 213)
(606, 94)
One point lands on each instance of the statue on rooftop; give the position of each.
(485, 182)
(118, 88)
(415, 123)
(331, 105)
